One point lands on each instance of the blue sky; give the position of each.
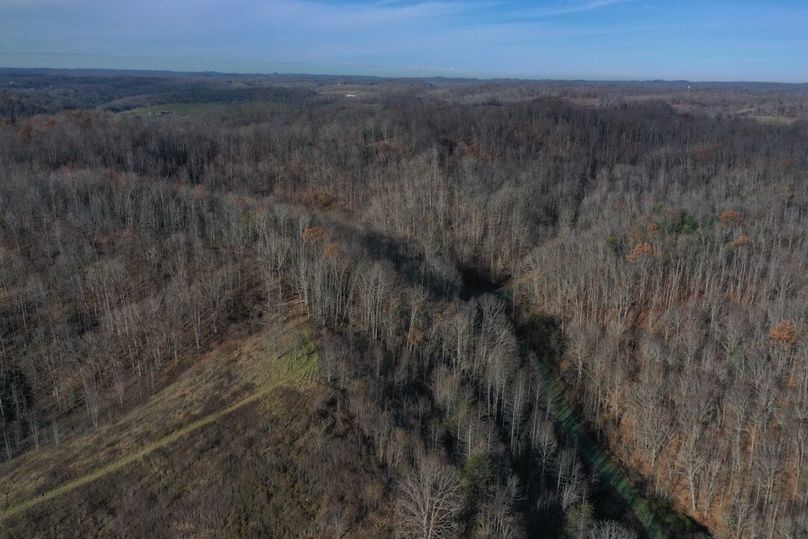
(593, 39)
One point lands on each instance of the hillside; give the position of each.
(420, 312)
(243, 442)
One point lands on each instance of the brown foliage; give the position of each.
(731, 218)
(784, 332)
(313, 234)
(740, 241)
(319, 198)
(414, 336)
(26, 133)
(332, 251)
(641, 250)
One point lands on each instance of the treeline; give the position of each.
(24, 94)
(671, 248)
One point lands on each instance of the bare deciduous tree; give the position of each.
(429, 500)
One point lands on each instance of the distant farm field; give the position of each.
(179, 109)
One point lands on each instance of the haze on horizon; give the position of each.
(589, 39)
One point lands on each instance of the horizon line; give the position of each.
(480, 78)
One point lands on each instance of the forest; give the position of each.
(541, 310)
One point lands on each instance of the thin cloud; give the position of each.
(572, 7)
(486, 37)
(385, 10)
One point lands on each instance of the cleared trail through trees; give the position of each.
(299, 369)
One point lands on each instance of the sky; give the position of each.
(556, 39)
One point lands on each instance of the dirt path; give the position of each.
(300, 372)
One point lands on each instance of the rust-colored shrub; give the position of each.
(731, 218)
(740, 241)
(784, 332)
(642, 249)
(318, 197)
(414, 336)
(26, 133)
(332, 251)
(313, 234)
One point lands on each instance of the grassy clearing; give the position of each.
(772, 119)
(179, 109)
(169, 110)
(248, 368)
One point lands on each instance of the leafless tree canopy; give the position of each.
(511, 287)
